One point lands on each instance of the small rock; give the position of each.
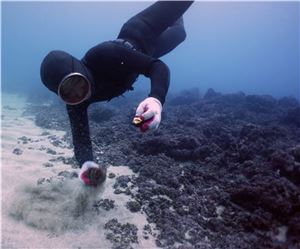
(68, 174)
(50, 151)
(69, 160)
(118, 191)
(121, 235)
(133, 206)
(58, 159)
(127, 191)
(122, 181)
(42, 148)
(25, 139)
(105, 204)
(147, 229)
(45, 133)
(42, 180)
(111, 175)
(17, 151)
(56, 143)
(48, 165)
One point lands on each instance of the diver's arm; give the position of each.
(160, 80)
(80, 132)
(148, 112)
(153, 68)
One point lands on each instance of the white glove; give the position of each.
(92, 174)
(149, 111)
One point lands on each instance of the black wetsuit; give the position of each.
(115, 65)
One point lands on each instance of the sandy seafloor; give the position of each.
(221, 172)
(57, 213)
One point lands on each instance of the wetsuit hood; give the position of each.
(56, 65)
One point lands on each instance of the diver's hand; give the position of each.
(149, 113)
(92, 174)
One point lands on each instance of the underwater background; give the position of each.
(223, 169)
(231, 46)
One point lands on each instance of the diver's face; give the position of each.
(74, 89)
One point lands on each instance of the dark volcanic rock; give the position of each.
(133, 206)
(105, 204)
(271, 195)
(48, 165)
(260, 104)
(69, 160)
(288, 102)
(122, 182)
(111, 175)
(66, 160)
(43, 180)
(49, 119)
(221, 171)
(121, 235)
(68, 174)
(296, 153)
(51, 152)
(45, 133)
(17, 151)
(55, 141)
(211, 93)
(287, 165)
(293, 117)
(25, 139)
(99, 114)
(294, 228)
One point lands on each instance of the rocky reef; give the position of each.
(222, 171)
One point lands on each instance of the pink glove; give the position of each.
(149, 111)
(92, 174)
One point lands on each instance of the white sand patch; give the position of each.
(281, 236)
(57, 214)
(219, 211)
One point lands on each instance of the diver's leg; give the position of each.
(169, 39)
(145, 27)
(163, 14)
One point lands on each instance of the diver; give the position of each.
(110, 68)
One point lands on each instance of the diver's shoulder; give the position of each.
(104, 45)
(103, 49)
